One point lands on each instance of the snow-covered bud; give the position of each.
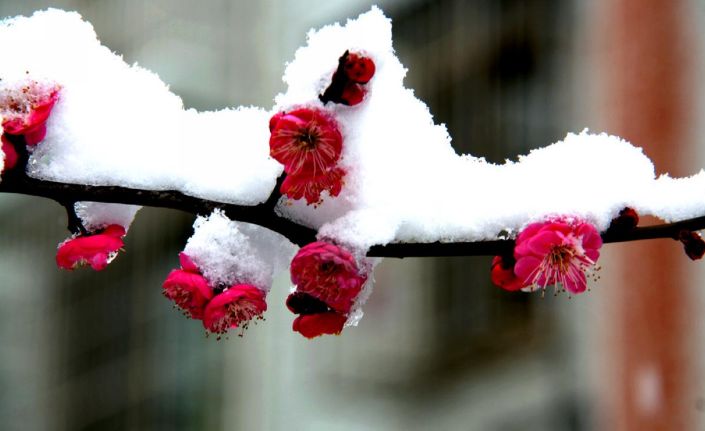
(25, 109)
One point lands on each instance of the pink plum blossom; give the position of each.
(187, 288)
(306, 141)
(26, 110)
(235, 307)
(310, 187)
(96, 250)
(557, 252)
(329, 273)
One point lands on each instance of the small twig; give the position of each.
(334, 91)
(74, 223)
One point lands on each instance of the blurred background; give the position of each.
(439, 346)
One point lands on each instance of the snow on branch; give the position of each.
(348, 164)
(265, 215)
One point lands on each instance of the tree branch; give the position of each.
(16, 181)
(263, 214)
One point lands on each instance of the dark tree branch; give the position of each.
(263, 214)
(15, 181)
(499, 247)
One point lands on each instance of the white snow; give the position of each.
(229, 252)
(367, 266)
(98, 215)
(406, 183)
(119, 124)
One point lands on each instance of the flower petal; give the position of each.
(313, 325)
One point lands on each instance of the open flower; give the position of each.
(187, 288)
(26, 110)
(328, 273)
(311, 187)
(234, 308)
(306, 141)
(96, 250)
(557, 252)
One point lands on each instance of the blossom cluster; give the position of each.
(25, 108)
(308, 141)
(326, 131)
(328, 284)
(349, 82)
(219, 308)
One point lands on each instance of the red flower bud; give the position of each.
(502, 274)
(693, 244)
(353, 94)
(359, 69)
(627, 220)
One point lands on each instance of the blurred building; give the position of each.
(439, 346)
